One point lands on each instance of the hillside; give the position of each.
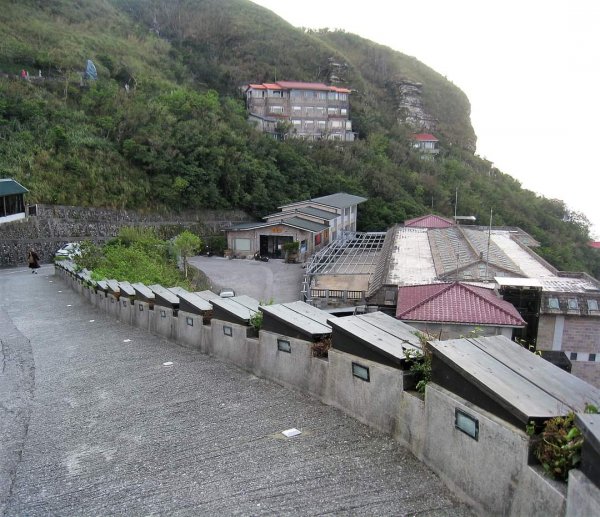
(178, 138)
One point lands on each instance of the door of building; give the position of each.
(272, 245)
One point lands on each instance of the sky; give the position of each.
(530, 68)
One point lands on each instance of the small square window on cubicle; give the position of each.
(466, 423)
(360, 371)
(228, 331)
(573, 304)
(592, 305)
(553, 303)
(283, 345)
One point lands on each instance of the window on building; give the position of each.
(276, 109)
(297, 94)
(296, 122)
(592, 357)
(336, 124)
(296, 110)
(332, 96)
(275, 93)
(322, 96)
(343, 112)
(242, 244)
(573, 356)
(592, 305)
(573, 304)
(343, 96)
(321, 124)
(553, 303)
(309, 123)
(332, 111)
(310, 110)
(320, 111)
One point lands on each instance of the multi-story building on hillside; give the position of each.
(309, 110)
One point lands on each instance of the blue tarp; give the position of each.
(90, 71)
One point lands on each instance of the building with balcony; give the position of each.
(303, 110)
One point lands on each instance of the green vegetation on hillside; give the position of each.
(178, 138)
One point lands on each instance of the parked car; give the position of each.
(227, 293)
(69, 250)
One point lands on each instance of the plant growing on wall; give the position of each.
(256, 319)
(321, 348)
(420, 361)
(559, 446)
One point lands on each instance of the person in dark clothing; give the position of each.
(33, 260)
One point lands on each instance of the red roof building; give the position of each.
(312, 111)
(426, 143)
(454, 309)
(595, 245)
(429, 221)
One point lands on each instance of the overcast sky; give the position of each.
(530, 69)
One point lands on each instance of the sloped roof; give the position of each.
(339, 200)
(455, 303)
(425, 137)
(429, 221)
(9, 187)
(306, 210)
(295, 222)
(297, 85)
(594, 244)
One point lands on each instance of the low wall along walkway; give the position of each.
(490, 472)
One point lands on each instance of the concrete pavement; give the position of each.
(99, 426)
(274, 280)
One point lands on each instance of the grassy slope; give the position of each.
(171, 143)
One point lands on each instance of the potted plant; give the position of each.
(291, 251)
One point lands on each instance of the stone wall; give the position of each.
(54, 226)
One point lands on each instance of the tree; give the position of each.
(186, 243)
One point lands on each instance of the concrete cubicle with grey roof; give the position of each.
(366, 359)
(483, 394)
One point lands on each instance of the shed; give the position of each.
(238, 309)
(103, 285)
(507, 380)
(374, 336)
(296, 320)
(12, 204)
(192, 303)
(164, 297)
(143, 293)
(207, 295)
(127, 290)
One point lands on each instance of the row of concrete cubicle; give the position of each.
(470, 427)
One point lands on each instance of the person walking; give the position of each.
(33, 261)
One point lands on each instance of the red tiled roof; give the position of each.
(455, 303)
(429, 221)
(297, 85)
(425, 137)
(594, 244)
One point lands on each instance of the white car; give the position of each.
(69, 250)
(227, 293)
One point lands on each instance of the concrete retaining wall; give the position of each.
(491, 472)
(54, 226)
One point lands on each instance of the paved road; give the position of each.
(262, 281)
(93, 423)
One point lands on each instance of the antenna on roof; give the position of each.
(487, 259)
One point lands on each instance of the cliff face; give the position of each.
(410, 105)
